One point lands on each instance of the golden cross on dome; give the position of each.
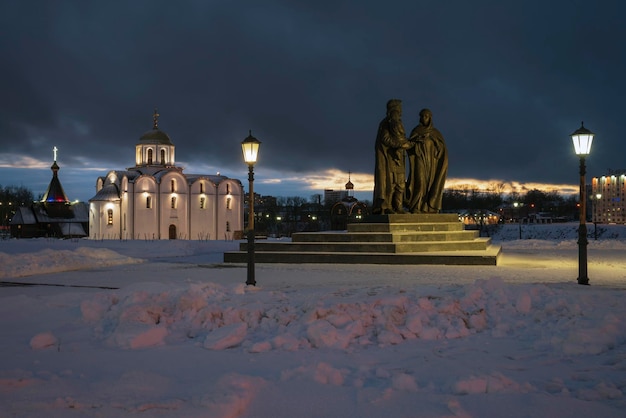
(155, 118)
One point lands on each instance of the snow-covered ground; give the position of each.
(165, 329)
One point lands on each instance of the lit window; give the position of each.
(228, 199)
(110, 217)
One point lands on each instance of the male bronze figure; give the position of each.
(390, 167)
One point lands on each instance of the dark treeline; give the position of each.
(10, 198)
(16, 195)
(534, 200)
(285, 215)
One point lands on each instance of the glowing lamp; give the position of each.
(582, 139)
(250, 148)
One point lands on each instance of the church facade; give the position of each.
(156, 200)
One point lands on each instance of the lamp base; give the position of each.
(582, 254)
(250, 281)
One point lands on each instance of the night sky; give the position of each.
(507, 82)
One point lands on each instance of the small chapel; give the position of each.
(155, 200)
(53, 216)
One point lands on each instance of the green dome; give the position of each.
(155, 136)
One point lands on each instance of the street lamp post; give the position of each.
(582, 139)
(519, 217)
(250, 148)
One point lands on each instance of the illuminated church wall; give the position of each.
(156, 200)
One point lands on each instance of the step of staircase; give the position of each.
(487, 257)
(403, 236)
(370, 247)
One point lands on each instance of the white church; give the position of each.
(156, 200)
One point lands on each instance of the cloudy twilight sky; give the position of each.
(507, 82)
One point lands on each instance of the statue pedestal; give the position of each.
(382, 239)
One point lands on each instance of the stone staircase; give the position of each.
(381, 239)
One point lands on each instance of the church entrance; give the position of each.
(172, 231)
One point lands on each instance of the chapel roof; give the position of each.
(55, 192)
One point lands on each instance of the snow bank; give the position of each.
(219, 318)
(53, 261)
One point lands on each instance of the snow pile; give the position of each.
(52, 261)
(18, 260)
(220, 318)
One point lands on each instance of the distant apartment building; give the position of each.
(608, 198)
(333, 196)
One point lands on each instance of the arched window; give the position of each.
(202, 202)
(150, 156)
(201, 187)
(148, 202)
(162, 156)
(228, 202)
(172, 185)
(110, 217)
(173, 202)
(227, 188)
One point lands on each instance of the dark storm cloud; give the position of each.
(507, 81)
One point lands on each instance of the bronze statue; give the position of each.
(428, 160)
(390, 168)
